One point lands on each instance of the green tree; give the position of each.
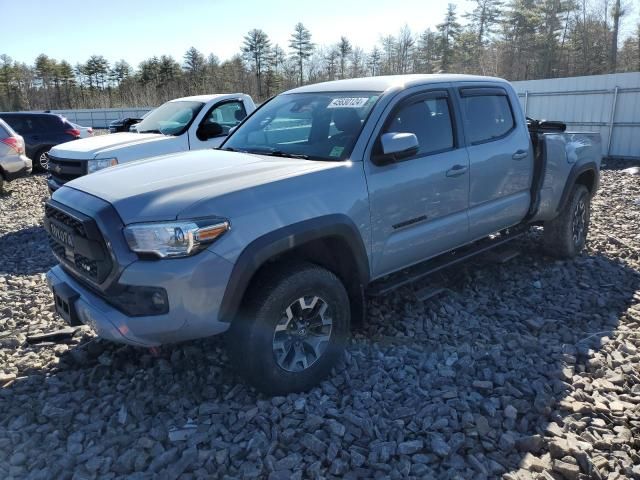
(427, 51)
(302, 48)
(256, 50)
(373, 61)
(344, 49)
(484, 18)
(449, 30)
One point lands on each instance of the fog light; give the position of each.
(138, 301)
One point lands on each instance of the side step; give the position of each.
(502, 256)
(426, 293)
(418, 272)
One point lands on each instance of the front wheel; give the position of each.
(565, 236)
(293, 329)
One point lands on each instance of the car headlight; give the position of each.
(174, 239)
(101, 163)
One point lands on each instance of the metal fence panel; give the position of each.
(100, 117)
(608, 104)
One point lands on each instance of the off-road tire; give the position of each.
(251, 340)
(565, 236)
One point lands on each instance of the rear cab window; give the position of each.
(487, 114)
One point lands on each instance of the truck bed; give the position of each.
(557, 153)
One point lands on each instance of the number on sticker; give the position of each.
(348, 102)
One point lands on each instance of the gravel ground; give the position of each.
(528, 369)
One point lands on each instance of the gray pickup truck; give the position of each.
(325, 194)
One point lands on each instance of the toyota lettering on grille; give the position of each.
(61, 235)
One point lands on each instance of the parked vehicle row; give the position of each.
(41, 132)
(123, 124)
(322, 196)
(190, 123)
(13, 161)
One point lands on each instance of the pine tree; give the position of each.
(449, 30)
(331, 62)
(484, 18)
(373, 62)
(300, 43)
(256, 49)
(426, 53)
(344, 49)
(193, 61)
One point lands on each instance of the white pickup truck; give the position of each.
(189, 123)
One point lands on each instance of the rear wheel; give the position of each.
(565, 236)
(293, 329)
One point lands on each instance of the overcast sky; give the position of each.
(138, 29)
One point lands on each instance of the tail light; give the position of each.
(15, 143)
(90, 130)
(74, 132)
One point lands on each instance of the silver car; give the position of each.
(13, 161)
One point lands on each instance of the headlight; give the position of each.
(174, 239)
(99, 164)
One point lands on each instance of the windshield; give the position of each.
(317, 126)
(171, 118)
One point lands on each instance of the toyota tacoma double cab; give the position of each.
(180, 125)
(324, 195)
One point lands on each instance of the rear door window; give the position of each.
(228, 115)
(486, 117)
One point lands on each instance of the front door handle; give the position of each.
(520, 154)
(457, 170)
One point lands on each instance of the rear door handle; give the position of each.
(520, 154)
(457, 170)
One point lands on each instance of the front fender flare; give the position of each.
(282, 240)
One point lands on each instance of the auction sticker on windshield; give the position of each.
(348, 102)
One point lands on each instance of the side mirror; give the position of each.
(396, 146)
(209, 130)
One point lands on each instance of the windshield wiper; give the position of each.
(280, 153)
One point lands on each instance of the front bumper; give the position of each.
(195, 287)
(23, 171)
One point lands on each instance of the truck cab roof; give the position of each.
(208, 98)
(387, 82)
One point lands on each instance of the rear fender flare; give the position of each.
(575, 172)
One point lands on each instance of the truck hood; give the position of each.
(163, 188)
(104, 146)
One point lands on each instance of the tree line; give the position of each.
(513, 39)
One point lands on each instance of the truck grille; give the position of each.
(81, 246)
(63, 170)
(62, 217)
